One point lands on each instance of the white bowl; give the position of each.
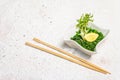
(74, 44)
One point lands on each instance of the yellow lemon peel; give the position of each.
(90, 37)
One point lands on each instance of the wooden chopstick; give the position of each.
(64, 57)
(69, 54)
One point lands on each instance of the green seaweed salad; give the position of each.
(86, 36)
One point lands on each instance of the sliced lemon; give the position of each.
(90, 37)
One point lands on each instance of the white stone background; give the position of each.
(50, 20)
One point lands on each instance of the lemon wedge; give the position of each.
(90, 37)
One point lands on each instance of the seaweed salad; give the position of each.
(86, 36)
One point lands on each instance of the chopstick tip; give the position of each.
(34, 38)
(109, 73)
(26, 43)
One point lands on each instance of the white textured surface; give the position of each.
(50, 20)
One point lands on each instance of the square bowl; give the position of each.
(74, 44)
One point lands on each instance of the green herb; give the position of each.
(84, 29)
(83, 23)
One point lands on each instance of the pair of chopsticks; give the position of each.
(71, 57)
